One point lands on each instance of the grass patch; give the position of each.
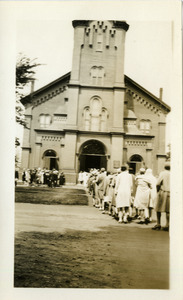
(51, 196)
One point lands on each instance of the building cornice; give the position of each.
(86, 23)
(121, 25)
(80, 23)
(130, 85)
(161, 155)
(134, 87)
(48, 130)
(26, 148)
(31, 97)
(132, 135)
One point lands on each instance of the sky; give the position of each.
(148, 52)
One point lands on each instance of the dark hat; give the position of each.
(167, 164)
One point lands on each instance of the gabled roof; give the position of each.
(63, 78)
(66, 78)
(146, 92)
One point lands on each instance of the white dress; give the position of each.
(142, 196)
(123, 189)
(153, 191)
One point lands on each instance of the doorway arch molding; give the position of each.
(92, 154)
(50, 159)
(94, 145)
(135, 162)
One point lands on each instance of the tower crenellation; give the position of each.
(99, 45)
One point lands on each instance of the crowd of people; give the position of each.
(38, 176)
(127, 197)
(122, 195)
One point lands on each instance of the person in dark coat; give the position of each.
(62, 178)
(16, 176)
(163, 198)
(53, 178)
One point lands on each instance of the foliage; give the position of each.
(25, 74)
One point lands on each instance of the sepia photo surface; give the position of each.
(97, 149)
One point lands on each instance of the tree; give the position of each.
(25, 74)
(25, 71)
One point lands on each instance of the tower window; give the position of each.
(97, 75)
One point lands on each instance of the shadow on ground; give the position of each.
(111, 258)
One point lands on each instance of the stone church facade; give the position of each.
(94, 116)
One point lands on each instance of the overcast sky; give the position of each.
(148, 51)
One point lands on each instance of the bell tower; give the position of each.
(98, 60)
(96, 87)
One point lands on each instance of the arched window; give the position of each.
(95, 108)
(44, 120)
(95, 116)
(97, 74)
(104, 119)
(87, 118)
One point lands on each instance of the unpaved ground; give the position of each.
(78, 247)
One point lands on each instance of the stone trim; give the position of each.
(78, 85)
(48, 130)
(161, 155)
(135, 143)
(161, 123)
(51, 138)
(49, 95)
(26, 147)
(132, 135)
(153, 107)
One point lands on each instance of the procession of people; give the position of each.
(121, 194)
(127, 197)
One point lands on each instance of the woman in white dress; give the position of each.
(142, 196)
(123, 192)
(153, 191)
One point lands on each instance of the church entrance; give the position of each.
(135, 163)
(92, 156)
(50, 160)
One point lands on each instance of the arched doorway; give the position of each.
(50, 160)
(92, 155)
(135, 163)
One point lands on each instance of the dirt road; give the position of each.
(78, 247)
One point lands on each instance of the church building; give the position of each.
(94, 116)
